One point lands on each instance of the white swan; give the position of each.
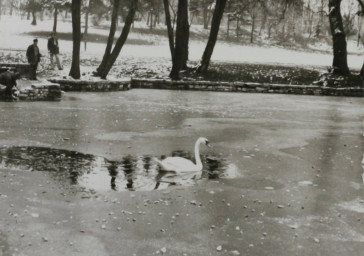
(182, 165)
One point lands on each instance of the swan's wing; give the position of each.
(178, 164)
(178, 161)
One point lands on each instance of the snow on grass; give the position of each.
(14, 37)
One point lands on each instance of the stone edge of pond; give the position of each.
(167, 84)
(44, 91)
(91, 85)
(246, 87)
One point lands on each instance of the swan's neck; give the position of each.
(197, 155)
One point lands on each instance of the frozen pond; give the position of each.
(283, 170)
(108, 139)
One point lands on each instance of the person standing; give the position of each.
(33, 56)
(53, 49)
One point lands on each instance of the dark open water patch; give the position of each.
(100, 174)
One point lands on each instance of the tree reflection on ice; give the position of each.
(100, 174)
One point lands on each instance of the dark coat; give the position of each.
(53, 45)
(30, 54)
(8, 79)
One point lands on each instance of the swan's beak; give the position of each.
(208, 144)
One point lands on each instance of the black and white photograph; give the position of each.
(181, 127)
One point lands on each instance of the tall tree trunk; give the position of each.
(270, 26)
(321, 19)
(86, 27)
(215, 25)
(252, 29)
(237, 26)
(86, 20)
(151, 21)
(11, 7)
(157, 20)
(262, 26)
(34, 21)
(310, 22)
(121, 40)
(169, 26)
(359, 31)
(186, 28)
(28, 15)
(228, 26)
(179, 49)
(76, 36)
(110, 39)
(339, 64)
(205, 14)
(55, 18)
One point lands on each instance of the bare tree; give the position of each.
(110, 39)
(121, 40)
(361, 13)
(339, 64)
(87, 12)
(207, 7)
(186, 38)
(55, 18)
(76, 36)
(215, 25)
(169, 26)
(253, 9)
(178, 55)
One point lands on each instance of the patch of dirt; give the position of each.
(260, 73)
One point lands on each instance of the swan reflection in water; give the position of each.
(100, 174)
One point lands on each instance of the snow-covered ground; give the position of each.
(13, 37)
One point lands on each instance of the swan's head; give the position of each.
(205, 141)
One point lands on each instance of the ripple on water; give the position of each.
(100, 174)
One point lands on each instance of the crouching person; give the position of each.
(8, 79)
